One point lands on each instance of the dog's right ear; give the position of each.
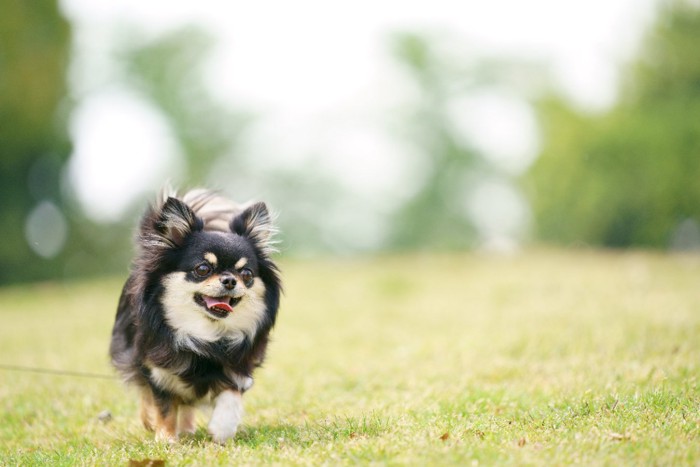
(170, 224)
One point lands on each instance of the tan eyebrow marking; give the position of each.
(241, 262)
(211, 257)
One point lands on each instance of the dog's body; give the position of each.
(194, 316)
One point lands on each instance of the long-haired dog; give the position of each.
(195, 314)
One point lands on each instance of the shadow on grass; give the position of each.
(276, 436)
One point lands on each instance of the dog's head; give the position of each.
(210, 284)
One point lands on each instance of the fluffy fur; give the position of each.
(195, 314)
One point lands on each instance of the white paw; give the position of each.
(227, 415)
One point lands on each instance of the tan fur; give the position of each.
(211, 258)
(187, 420)
(166, 424)
(148, 409)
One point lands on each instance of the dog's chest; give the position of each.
(197, 381)
(169, 381)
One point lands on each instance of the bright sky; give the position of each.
(319, 76)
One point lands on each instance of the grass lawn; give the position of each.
(545, 358)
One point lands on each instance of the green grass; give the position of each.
(546, 358)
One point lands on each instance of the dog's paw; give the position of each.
(222, 430)
(164, 436)
(227, 415)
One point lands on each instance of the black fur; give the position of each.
(142, 338)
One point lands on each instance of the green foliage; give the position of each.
(548, 358)
(668, 66)
(629, 176)
(34, 49)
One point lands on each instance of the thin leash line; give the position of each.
(47, 371)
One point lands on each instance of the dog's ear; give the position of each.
(256, 224)
(170, 224)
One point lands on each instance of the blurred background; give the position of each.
(367, 126)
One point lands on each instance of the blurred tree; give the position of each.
(435, 217)
(629, 176)
(34, 51)
(169, 72)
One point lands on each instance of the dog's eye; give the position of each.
(202, 270)
(246, 276)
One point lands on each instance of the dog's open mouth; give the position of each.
(219, 307)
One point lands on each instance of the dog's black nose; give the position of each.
(228, 281)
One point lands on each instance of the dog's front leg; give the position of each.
(148, 409)
(227, 415)
(187, 420)
(165, 426)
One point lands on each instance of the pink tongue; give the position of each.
(215, 302)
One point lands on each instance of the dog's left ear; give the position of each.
(256, 224)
